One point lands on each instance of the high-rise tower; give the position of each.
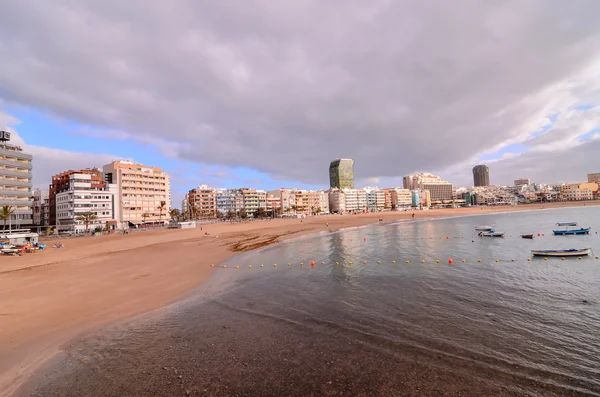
(341, 174)
(481, 175)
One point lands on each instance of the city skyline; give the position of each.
(247, 120)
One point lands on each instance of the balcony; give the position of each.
(18, 174)
(9, 182)
(16, 203)
(16, 164)
(15, 153)
(15, 193)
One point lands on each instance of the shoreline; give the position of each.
(55, 295)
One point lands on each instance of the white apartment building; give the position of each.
(401, 197)
(356, 200)
(15, 181)
(141, 192)
(375, 199)
(83, 197)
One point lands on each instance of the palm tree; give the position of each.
(161, 208)
(6, 212)
(174, 214)
(145, 215)
(260, 212)
(86, 218)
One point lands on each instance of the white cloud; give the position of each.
(284, 87)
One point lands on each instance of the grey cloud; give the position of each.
(284, 87)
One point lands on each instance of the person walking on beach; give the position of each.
(413, 215)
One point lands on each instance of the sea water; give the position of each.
(377, 310)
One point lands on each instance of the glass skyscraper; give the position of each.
(341, 174)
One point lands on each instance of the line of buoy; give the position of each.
(405, 238)
(450, 261)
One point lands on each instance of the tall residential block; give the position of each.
(341, 174)
(15, 181)
(142, 195)
(439, 189)
(481, 175)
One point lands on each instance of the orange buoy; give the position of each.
(365, 239)
(538, 235)
(447, 237)
(450, 260)
(312, 263)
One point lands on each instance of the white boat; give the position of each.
(491, 233)
(569, 252)
(11, 250)
(484, 228)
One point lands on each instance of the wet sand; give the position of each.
(54, 295)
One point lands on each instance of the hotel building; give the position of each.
(439, 189)
(140, 192)
(15, 181)
(341, 174)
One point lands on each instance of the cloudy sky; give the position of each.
(266, 93)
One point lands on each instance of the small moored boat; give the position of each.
(491, 233)
(529, 236)
(484, 228)
(569, 252)
(567, 231)
(566, 224)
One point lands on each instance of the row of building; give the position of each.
(121, 195)
(208, 202)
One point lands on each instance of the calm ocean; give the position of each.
(485, 326)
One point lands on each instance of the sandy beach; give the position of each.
(50, 297)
